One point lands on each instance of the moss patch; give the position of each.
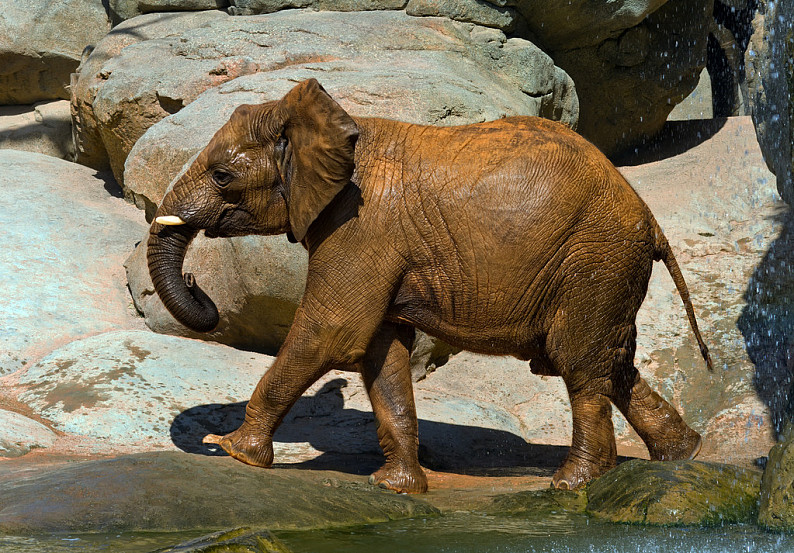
(675, 493)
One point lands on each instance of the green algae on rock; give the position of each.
(675, 493)
(776, 510)
(239, 540)
(539, 503)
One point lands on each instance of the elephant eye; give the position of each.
(221, 177)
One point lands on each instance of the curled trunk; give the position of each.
(180, 295)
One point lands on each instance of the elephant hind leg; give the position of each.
(387, 377)
(664, 432)
(593, 451)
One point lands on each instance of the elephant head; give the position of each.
(272, 168)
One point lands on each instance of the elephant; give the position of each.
(513, 237)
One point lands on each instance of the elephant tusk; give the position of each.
(169, 220)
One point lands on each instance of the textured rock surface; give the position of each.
(20, 434)
(176, 491)
(632, 61)
(45, 128)
(770, 76)
(41, 43)
(89, 145)
(675, 493)
(64, 241)
(125, 389)
(777, 500)
(418, 58)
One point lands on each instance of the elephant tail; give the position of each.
(665, 254)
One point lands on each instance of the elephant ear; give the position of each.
(321, 139)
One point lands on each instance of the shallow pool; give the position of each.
(457, 533)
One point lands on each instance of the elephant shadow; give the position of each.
(348, 443)
(767, 324)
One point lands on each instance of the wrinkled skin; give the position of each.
(514, 237)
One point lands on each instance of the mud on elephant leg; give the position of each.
(593, 451)
(664, 432)
(387, 377)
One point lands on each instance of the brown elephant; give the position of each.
(511, 237)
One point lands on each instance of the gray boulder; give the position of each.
(40, 46)
(770, 78)
(132, 94)
(65, 238)
(89, 132)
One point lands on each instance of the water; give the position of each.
(458, 533)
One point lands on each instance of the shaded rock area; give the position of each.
(45, 128)
(41, 43)
(469, 63)
(631, 61)
(675, 493)
(174, 491)
(65, 237)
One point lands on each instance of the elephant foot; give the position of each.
(245, 445)
(685, 448)
(575, 473)
(400, 479)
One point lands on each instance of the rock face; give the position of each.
(41, 43)
(418, 59)
(632, 61)
(675, 493)
(770, 76)
(64, 241)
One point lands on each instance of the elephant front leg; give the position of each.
(593, 451)
(298, 365)
(387, 376)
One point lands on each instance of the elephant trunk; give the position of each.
(181, 295)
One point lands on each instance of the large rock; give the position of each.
(40, 46)
(61, 265)
(469, 62)
(178, 492)
(632, 61)
(90, 77)
(675, 493)
(770, 77)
